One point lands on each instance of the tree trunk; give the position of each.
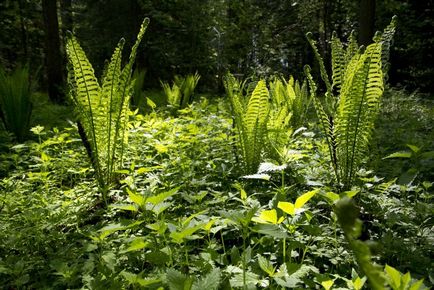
(366, 21)
(53, 57)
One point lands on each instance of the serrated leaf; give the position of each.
(156, 199)
(210, 281)
(266, 266)
(136, 198)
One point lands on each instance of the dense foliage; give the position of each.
(285, 182)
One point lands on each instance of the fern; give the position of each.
(348, 112)
(250, 119)
(182, 90)
(102, 110)
(15, 101)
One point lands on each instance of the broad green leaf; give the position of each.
(305, 198)
(156, 199)
(350, 193)
(268, 216)
(331, 196)
(287, 207)
(137, 244)
(178, 237)
(266, 266)
(210, 281)
(136, 198)
(417, 285)
(209, 224)
(177, 280)
(358, 283)
(327, 284)
(405, 280)
(394, 276)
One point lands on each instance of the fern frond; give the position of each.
(386, 39)
(322, 68)
(338, 63)
(85, 94)
(253, 127)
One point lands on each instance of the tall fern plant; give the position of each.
(102, 109)
(348, 112)
(250, 118)
(15, 101)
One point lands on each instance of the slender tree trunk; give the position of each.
(53, 56)
(366, 21)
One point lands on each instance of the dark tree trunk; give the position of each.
(366, 21)
(54, 62)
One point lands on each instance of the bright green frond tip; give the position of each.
(102, 110)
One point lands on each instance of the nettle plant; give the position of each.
(102, 109)
(351, 104)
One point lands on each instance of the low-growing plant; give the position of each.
(15, 101)
(102, 110)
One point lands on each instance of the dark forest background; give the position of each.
(246, 37)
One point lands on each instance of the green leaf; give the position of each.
(327, 284)
(268, 216)
(266, 266)
(417, 285)
(129, 207)
(413, 148)
(401, 154)
(358, 283)
(156, 199)
(210, 281)
(136, 198)
(177, 280)
(287, 207)
(305, 198)
(137, 244)
(270, 230)
(394, 276)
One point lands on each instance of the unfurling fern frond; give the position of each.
(102, 110)
(358, 80)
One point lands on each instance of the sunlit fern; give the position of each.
(180, 94)
(102, 110)
(250, 119)
(348, 111)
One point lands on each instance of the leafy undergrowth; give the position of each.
(183, 217)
